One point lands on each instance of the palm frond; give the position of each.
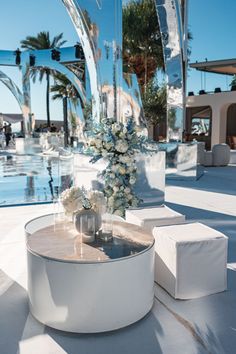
(57, 97)
(57, 41)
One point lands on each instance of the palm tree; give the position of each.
(43, 41)
(64, 90)
(154, 102)
(142, 47)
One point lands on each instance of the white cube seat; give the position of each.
(221, 154)
(190, 260)
(148, 218)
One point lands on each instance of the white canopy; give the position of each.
(11, 117)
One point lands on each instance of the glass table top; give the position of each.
(62, 242)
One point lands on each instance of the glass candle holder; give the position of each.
(106, 232)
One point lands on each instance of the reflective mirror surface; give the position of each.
(99, 27)
(173, 25)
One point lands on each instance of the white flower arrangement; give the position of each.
(76, 198)
(72, 199)
(118, 143)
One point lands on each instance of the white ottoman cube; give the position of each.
(148, 218)
(190, 260)
(221, 154)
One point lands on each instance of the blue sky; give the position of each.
(212, 23)
(26, 17)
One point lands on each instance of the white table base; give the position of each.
(89, 297)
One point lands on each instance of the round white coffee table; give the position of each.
(91, 288)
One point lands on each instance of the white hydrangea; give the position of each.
(97, 200)
(104, 153)
(125, 159)
(135, 202)
(119, 212)
(108, 146)
(118, 203)
(72, 199)
(121, 146)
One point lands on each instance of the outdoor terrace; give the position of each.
(202, 326)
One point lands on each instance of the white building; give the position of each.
(213, 113)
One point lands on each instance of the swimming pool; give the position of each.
(26, 179)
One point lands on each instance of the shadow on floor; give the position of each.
(215, 179)
(13, 314)
(138, 338)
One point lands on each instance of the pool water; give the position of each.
(26, 179)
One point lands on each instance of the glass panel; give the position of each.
(200, 126)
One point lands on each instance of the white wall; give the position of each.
(219, 103)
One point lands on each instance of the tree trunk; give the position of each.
(47, 99)
(65, 121)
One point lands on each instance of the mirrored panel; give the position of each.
(173, 26)
(99, 27)
(68, 62)
(142, 58)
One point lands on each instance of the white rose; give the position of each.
(135, 202)
(116, 189)
(132, 180)
(127, 190)
(121, 146)
(98, 143)
(129, 159)
(116, 127)
(125, 159)
(108, 146)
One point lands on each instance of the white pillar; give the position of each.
(223, 123)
